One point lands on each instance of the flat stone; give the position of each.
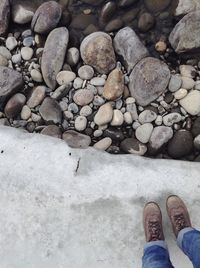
(186, 34)
(147, 116)
(80, 123)
(54, 55)
(103, 144)
(47, 17)
(143, 132)
(118, 118)
(156, 5)
(97, 81)
(36, 76)
(133, 146)
(97, 50)
(114, 86)
(21, 14)
(86, 72)
(50, 111)
(53, 131)
(191, 103)
(73, 56)
(4, 16)
(104, 115)
(76, 140)
(144, 86)
(65, 77)
(128, 45)
(172, 118)
(83, 97)
(36, 97)
(187, 83)
(10, 82)
(160, 136)
(25, 113)
(14, 105)
(180, 94)
(175, 83)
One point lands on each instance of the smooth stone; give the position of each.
(35, 117)
(160, 136)
(187, 83)
(187, 6)
(156, 5)
(65, 77)
(97, 50)
(114, 25)
(175, 83)
(11, 82)
(52, 131)
(130, 15)
(191, 103)
(50, 111)
(78, 83)
(126, 3)
(144, 86)
(14, 105)
(107, 11)
(17, 58)
(172, 118)
(61, 91)
(21, 15)
(28, 41)
(4, 16)
(86, 72)
(181, 144)
(11, 43)
(97, 133)
(147, 116)
(86, 110)
(104, 115)
(197, 85)
(103, 144)
(73, 108)
(46, 17)
(98, 101)
(133, 146)
(5, 52)
(97, 81)
(92, 2)
(186, 34)
(146, 22)
(196, 127)
(25, 113)
(159, 120)
(76, 140)
(131, 107)
(81, 21)
(114, 86)
(114, 133)
(80, 123)
(83, 97)
(73, 56)
(118, 118)
(36, 97)
(180, 94)
(128, 46)
(54, 55)
(128, 118)
(3, 61)
(143, 132)
(187, 71)
(36, 76)
(197, 142)
(26, 53)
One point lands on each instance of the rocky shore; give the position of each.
(121, 84)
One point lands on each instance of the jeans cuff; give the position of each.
(181, 235)
(160, 243)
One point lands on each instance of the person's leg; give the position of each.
(188, 239)
(155, 251)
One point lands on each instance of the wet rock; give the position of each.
(133, 146)
(107, 11)
(14, 105)
(47, 17)
(10, 82)
(186, 34)
(76, 140)
(144, 86)
(143, 132)
(118, 118)
(114, 25)
(160, 136)
(181, 144)
(50, 111)
(126, 3)
(52, 130)
(156, 5)
(21, 14)
(114, 133)
(196, 127)
(97, 50)
(54, 55)
(103, 144)
(36, 97)
(104, 115)
(146, 22)
(191, 103)
(129, 47)
(114, 86)
(83, 97)
(4, 16)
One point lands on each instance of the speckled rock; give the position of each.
(147, 116)
(143, 132)
(76, 140)
(86, 72)
(65, 77)
(50, 111)
(14, 105)
(53, 131)
(171, 119)
(4, 16)
(80, 123)
(36, 96)
(133, 146)
(160, 136)
(83, 97)
(104, 115)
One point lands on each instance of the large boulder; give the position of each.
(4, 16)
(186, 34)
(148, 80)
(128, 45)
(54, 55)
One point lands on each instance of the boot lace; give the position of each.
(155, 230)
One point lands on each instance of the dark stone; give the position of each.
(126, 3)
(196, 127)
(14, 105)
(114, 134)
(114, 25)
(53, 131)
(146, 22)
(76, 140)
(107, 12)
(133, 146)
(156, 5)
(50, 111)
(4, 16)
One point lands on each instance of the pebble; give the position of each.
(187, 83)
(98, 101)
(147, 116)
(80, 123)
(5, 52)
(14, 105)
(21, 14)
(25, 113)
(118, 118)
(191, 103)
(83, 97)
(103, 144)
(172, 118)
(98, 133)
(175, 83)
(50, 111)
(131, 107)
(11, 43)
(68, 115)
(36, 96)
(3, 61)
(36, 75)
(180, 94)
(187, 71)
(145, 22)
(159, 120)
(65, 77)
(97, 81)
(135, 125)
(27, 53)
(86, 110)
(143, 132)
(28, 41)
(86, 72)
(197, 142)
(104, 115)
(78, 83)
(76, 140)
(133, 146)
(128, 118)
(52, 131)
(196, 127)
(16, 59)
(73, 108)
(160, 136)
(73, 56)
(161, 46)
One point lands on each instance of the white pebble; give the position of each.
(11, 43)
(143, 132)
(36, 75)
(187, 82)
(65, 77)
(25, 113)
(103, 144)
(117, 119)
(181, 93)
(27, 53)
(98, 133)
(80, 123)
(128, 118)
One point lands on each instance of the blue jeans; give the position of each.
(156, 254)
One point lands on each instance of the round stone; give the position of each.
(76, 140)
(147, 116)
(25, 113)
(80, 123)
(86, 110)
(103, 144)
(143, 132)
(14, 105)
(104, 115)
(65, 77)
(97, 81)
(3, 61)
(175, 83)
(128, 118)
(187, 83)
(36, 75)
(5, 52)
(52, 130)
(11, 42)
(86, 72)
(27, 53)
(36, 96)
(146, 22)
(78, 83)
(160, 136)
(117, 119)
(73, 56)
(191, 103)
(172, 118)
(83, 97)
(16, 59)
(180, 94)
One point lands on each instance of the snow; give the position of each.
(68, 208)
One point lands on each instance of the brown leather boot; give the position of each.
(152, 220)
(178, 214)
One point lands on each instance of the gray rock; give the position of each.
(14, 105)
(5, 52)
(147, 116)
(25, 113)
(65, 77)
(3, 61)
(21, 14)
(73, 56)
(104, 115)
(186, 34)
(191, 103)
(160, 136)
(187, 6)
(47, 17)
(146, 22)
(4, 16)
(129, 47)
(97, 50)
(97, 81)
(143, 132)
(10, 82)
(36, 97)
(80, 123)
(103, 144)
(50, 111)
(133, 146)
(26, 53)
(148, 80)
(171, 119)
(156, 5)
(175, 83)
(86, 72)
(54, 55)
(83, 97)
(53, 131)
(11, 42)
(76, 140)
